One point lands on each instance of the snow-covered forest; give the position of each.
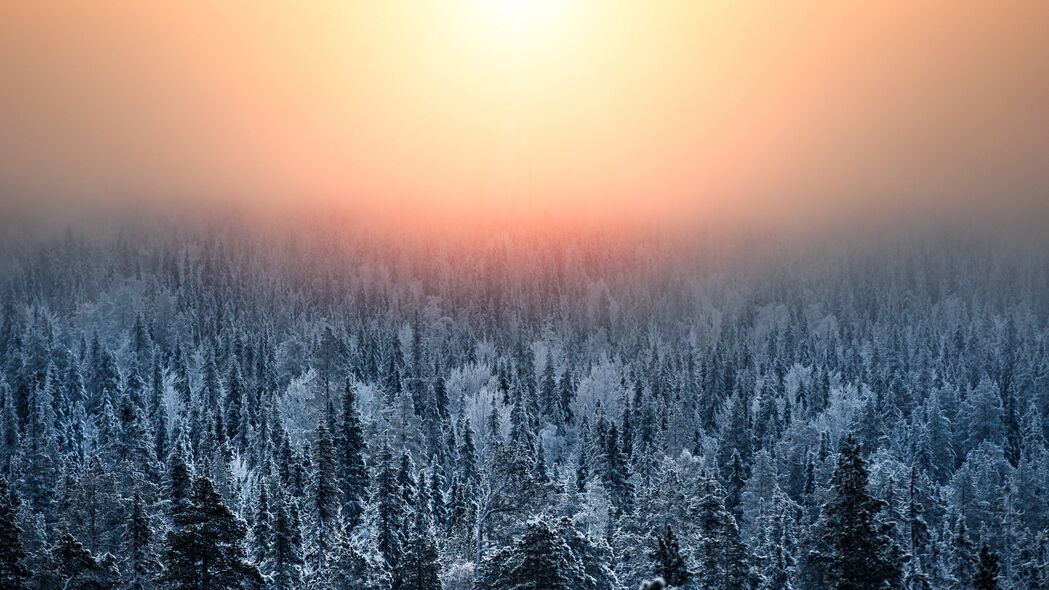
(198, 410)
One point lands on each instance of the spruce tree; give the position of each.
(539, 559)
(97, 510)
(205, 548)
(961, 556)
(988, 572)
(141, 562)
(326, 522)
(13, 572)
(548, 392)
(724, 563)
(862, 555)
(285, 560)
(260, 543)
(79, 569)
(358, 567)
(181, 383)
(179, 479)
(467, 450)
(566, 396)
(669, 562)
(593, 553)
(421, 563)
(158, 414)
(233, 408)
(10, 430)
(353, 471)
(617, 474)
(438, 499)
(358, 562)
(392, 511)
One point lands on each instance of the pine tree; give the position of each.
(467, 450)
(13, 572)
(539, 559)
(617, 473)
(233, 408)
(181, 382)
(986, 577)
(1033, 562)
(438, 500)
(736, 436)
(79, 569)
(920, 538)
(548, 391)
(593, 553)
(205, 548)
(329, 357)
(104, 381)
(353, 471)
(406, 483)
(392, 511)
(981, 417)
(141, 562)
(260, 545)
(358, 563)
(566, 396)
(38, 457)
(179, 480)
(10, 431)
(862, 554)
(778, 545)
(136, 446)
(421, 565)
(723, 562)
(669, 562)
(210, 395)
(961, 557)
(582, 470)
(327, 524)
(97, 512)
(285, 560)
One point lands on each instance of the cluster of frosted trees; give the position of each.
(198, 410)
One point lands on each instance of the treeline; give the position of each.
(194, 410)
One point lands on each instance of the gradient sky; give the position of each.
(629, 106)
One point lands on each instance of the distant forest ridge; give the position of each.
(214, 406)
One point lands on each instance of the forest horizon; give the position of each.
(189, 405)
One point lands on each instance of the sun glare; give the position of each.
(518, 19)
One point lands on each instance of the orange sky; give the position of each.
(630, 106)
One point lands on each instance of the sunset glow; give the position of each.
(517, 107)
(519, 19)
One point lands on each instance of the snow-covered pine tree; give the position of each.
(862, 556)
(351, 451)
(540, 558)
(141, 562)
(286, 557)
(326, 525)
(723, 559)
(420, 565)
(392, 510)
(205, 547)
(988, 571)
(670, 564)
(13, 572)
(78, 569)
